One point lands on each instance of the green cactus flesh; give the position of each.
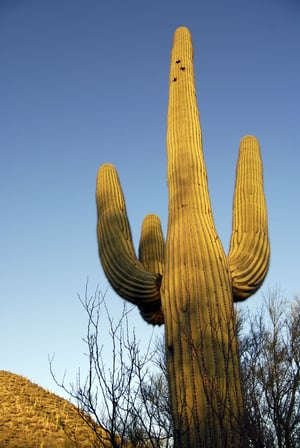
(189, 283)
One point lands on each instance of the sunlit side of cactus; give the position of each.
(189, 283)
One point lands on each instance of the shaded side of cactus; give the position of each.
(189, 283)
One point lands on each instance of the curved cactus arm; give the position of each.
(124, 271)
(152, 245)
(249, 251)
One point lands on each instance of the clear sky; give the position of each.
(83, 82)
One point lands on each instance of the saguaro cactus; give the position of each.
(188, 283)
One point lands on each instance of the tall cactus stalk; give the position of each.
(188, 283)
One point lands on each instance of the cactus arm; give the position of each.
(152, 245)
(124, 271)
(249, 251)
(151, 255)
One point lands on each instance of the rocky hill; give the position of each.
(32, 417)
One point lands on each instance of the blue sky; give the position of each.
(84, 82)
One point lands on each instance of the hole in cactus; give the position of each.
(174, 79)
(182, 68)
(178, 61)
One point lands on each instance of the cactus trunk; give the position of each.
(189, 283)
(196, 289)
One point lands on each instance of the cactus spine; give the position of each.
(189, 283)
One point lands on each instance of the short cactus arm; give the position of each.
(151, 255)
(249, 251)
(124, 271)
(152, 245)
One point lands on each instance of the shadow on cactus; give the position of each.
(188, 282)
